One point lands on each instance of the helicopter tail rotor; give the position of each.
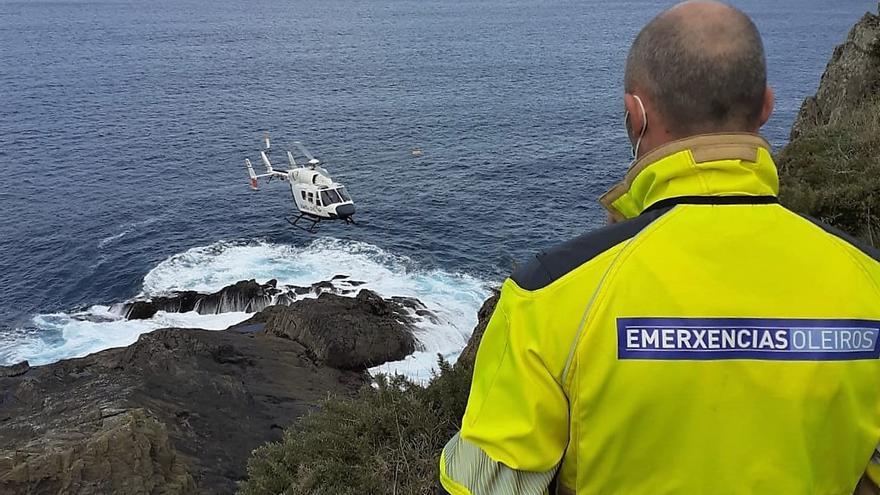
(251, 173)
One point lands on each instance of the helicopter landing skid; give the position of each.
(311, 228)
(315, 221)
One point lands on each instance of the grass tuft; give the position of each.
(387, 439)
(832, 173)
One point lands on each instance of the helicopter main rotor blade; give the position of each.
(291, 160)
(304, 151)
(266, 142)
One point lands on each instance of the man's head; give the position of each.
(697, 68)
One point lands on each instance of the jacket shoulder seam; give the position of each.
(601, 290)
(552, 265)
(843, 240)
(844, 237)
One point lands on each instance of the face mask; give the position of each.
(635, 148)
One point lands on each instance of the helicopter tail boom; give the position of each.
(254, 178)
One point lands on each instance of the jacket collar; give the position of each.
(709, 165)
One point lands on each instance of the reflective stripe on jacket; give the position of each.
(711, 342)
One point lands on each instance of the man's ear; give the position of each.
(767, 109)
(636, 117)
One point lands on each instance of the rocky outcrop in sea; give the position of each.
(180, 410)
(245, 296)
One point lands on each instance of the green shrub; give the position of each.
(387, 439)
(832, 173)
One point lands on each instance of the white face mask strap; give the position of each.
(635, 149)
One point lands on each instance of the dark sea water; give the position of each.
(124, 125)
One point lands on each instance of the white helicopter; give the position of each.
(314, 193)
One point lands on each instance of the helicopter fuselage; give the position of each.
(315, 194)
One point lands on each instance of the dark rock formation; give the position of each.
(324, 286)
(16, 369)
(247, 296)
(343, 332)
(852, 75)
(180, 410)
(469, 353)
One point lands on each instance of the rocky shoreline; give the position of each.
(180, 410)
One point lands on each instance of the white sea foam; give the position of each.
(63, 335)
(453, 297)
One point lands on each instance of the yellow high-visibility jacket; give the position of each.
(712, 342)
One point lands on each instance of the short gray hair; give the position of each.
(707, 74)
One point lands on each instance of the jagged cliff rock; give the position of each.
(248, 296)
(344, 332)
(469, 353)
(180, 410)
(851, 77)
(830, 170)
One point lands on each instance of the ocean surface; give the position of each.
(124, 126)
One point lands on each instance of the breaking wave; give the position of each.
(453, 297)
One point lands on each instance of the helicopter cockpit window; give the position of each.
(343, 194)
(330, 197)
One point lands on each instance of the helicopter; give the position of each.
(316, 196)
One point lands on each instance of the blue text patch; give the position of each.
(701, 339)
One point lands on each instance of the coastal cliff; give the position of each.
(830, 169)
(851, 77)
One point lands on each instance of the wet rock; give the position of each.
(285, 299)
(343, 332)
(321, 287)
(140, 310)
(409, 302)
(181, 302)
(248, 296)
(16, 369)
(301, 291)
(428, 315)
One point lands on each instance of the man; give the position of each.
(710, 341)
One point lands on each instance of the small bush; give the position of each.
(832, 173)
(387, 439)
